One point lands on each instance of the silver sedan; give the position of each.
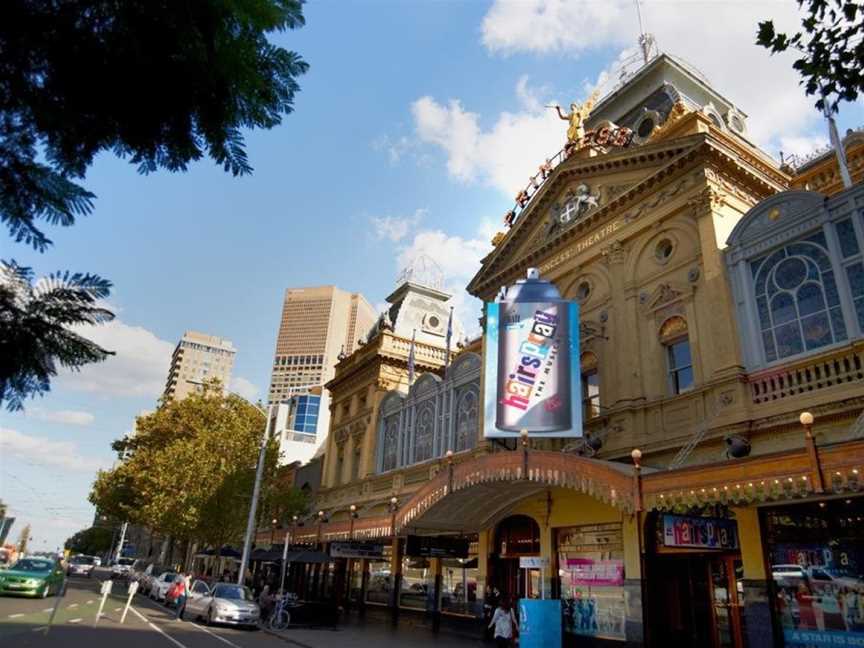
(223, 603)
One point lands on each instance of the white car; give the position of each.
(223, 603)
(122, 566)
(160, 585)
(81, 566)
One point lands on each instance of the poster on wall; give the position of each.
(532, 379)
(819, 592)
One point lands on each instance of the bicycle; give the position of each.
(281, 616)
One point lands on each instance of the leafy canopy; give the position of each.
(37, 328)
(190, 470)
(92, 541)
(831, 47)
(159, 82)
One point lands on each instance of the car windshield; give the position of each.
(82, 560)
(233, 592)
(168, 578)
(31, 565)
(125, 561)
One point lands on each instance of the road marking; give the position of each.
(40, 628)
(75, 620)
(89, 602)
(157, 628)
(220, 638)
(48, 609)
(118, 609)
(15, 616)
(74, 605)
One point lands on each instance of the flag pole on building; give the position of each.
(411, 360)
(449, 338)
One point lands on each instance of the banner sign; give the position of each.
(588, 572)
(436, 547)
(532, 363)
(539, 623)
(533, 562)
(699, 532)
(356, 550)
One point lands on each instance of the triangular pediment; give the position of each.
(579, 189)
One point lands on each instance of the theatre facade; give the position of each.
(714, 499)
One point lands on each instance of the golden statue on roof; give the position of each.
(578, 114)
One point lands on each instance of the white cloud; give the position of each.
(64, 417)
(63, 454)
(396, 228)
(504, 156)
(395, 147)
(139, 368)
(802, 145)
(718, 38)
(245, 388)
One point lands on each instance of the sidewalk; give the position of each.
(373, 634)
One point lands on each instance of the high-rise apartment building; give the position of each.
(198, 358)
(317, 324)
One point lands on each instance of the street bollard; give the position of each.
(106, 590)
(133, 587)
(57, 600)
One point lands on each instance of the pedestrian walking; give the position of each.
(504, 624)
(182, 585)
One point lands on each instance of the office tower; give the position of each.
(198, 358)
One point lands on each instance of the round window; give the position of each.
(790, 273)
(664, 250)
(583, 291)
(433, 321)
(645, 127)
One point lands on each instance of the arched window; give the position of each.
(797, 301)
(590, 385)
(390, 443)
(425, 432)
(675, 339)
(466, 419)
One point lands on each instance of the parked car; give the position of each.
(97, 561)
(223, 603)
(160, 585)
(122, 566)
(41, 577)
(151, 573)
(81, 565)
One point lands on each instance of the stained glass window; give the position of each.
(466, 419)
(391, 443)
(797, 300)
(425, 434)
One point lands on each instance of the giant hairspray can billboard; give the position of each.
(532, 379)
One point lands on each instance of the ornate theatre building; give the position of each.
(714, 499)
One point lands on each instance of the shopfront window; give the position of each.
(380, 586)
(418, 584)
(591, 569)
(816, 561)
(459, 587)
(355, 580)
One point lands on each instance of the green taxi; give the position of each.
(40, 577)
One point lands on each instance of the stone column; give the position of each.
(396, 572)
(633, 572)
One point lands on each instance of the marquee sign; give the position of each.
(699, 532)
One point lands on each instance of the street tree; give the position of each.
(159, 83)
(92, 541)
(830, 46)
(37, 334)
(191, 471)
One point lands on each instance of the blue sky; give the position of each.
(416, 124)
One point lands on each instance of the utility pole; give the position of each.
(253, 507)
(122, 540)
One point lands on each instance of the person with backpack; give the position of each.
(179, 592)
